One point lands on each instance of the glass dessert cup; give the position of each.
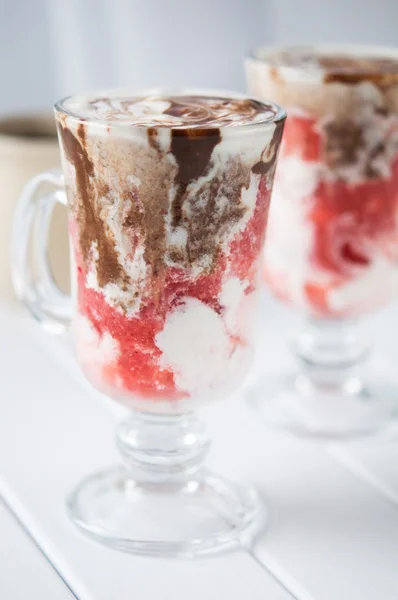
(166, 227)
(332, 238)
(336, 390)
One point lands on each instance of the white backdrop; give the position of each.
(362, 21)
(57, 47)
(49, 48)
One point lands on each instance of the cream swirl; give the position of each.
(177, 111)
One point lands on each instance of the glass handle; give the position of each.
(31, 273)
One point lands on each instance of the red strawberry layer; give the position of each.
(136, 369)
(351, 222)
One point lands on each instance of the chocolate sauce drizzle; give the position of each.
(192, 149)
(92, 230)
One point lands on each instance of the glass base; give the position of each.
(327, 410)
(198, 515)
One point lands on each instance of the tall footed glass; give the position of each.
(332, 240)
(168, 197)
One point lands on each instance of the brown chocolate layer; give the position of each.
(344, 140)
(208, 220)
(92, 229)
(348, 69)
(150, 201)
(192, 149)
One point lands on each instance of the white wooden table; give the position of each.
(333, 530)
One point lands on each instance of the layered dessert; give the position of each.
(332, 245)
(168, 199)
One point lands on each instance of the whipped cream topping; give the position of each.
(310, 56)
(336, 63)
(177, 111)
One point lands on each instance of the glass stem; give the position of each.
(163, 448)
(332, 353)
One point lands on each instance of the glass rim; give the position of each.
(279, 113)
(262, 53)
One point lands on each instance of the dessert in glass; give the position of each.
(332, 240)
(168, 196)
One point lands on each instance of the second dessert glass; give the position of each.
(168, 199)
(332, 240)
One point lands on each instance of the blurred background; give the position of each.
(50, 48)
(53, 48)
